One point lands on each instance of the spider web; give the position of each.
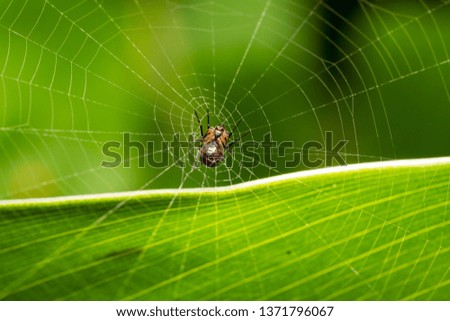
(75, 76)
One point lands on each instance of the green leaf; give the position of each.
(367, 232)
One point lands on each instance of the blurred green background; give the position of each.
(77, 74)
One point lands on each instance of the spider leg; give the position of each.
(200, 123)
(237, 124)
(207, 115)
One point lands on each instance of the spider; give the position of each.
(215, 142)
